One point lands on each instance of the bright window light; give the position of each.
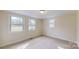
(32, 24)
(51, 23)
(16, 24)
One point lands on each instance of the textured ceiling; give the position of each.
(37, 14)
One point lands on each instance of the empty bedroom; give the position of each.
(39, 29)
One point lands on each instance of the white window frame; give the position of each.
(33, 26)
(51, 23)
(10, 24)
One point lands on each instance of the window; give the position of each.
(51, 23)
(16, 24)
(32, 24)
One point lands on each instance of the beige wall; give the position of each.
(65, 27)
(11, 37)
(78, 27)
(0, 28)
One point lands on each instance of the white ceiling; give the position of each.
(37, 14)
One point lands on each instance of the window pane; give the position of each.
(30, 28)
(20, 21)
(16, 20)
(51, 25)
(12, 17)
(16, 24)
(32, 25)
(52, 21)
(32, 22)
(16, 28)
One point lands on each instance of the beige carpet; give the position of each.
(41, 43)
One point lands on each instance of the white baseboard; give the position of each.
(15, 42)
(61, 39)
(7, 44)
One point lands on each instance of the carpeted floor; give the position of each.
(42, 43)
